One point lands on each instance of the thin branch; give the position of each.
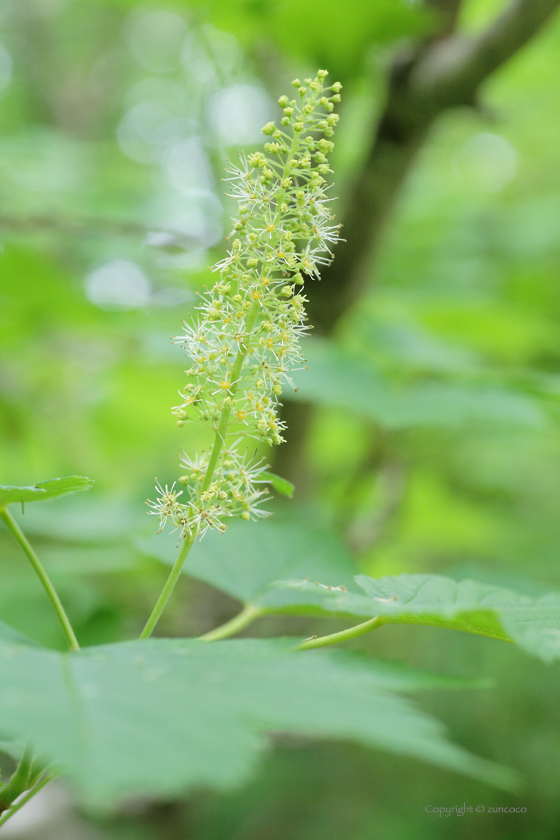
(444, 71)
(247, 615)
(451, 72)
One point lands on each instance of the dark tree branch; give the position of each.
(452, 71)
(444, 71)
(447, 12)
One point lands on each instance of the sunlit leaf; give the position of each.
(45, 490)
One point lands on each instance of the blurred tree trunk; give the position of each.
(424, 80)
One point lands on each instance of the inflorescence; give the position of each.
(243, 341)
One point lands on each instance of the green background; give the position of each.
(435, 446)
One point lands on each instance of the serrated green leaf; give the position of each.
(247, 558)
(531, 622)
(304, 597)
(160, 716)
(10, 495)
(281, 485)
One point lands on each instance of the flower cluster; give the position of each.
(243, 339)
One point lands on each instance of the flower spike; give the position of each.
(243, 339)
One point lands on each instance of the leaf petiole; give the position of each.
(247, 615)
(343, 635)
(23, 542)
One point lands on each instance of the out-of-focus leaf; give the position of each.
(245, 560)
(86, 560)
(12, 749)
(338, 380)
(45, 490)
(95, 520)
(281, 485)
(164, 715)
(319, 31)
(10, 634)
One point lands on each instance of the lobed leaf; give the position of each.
(531, 622)
(10, 495)
(164, 715)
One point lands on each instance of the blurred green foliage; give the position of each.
(436, 443)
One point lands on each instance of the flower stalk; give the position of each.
(243, 339)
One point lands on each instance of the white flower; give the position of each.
(166, 506)
(243, 341)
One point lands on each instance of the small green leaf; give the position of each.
(167, 714)
(10, 495)
(281, 485)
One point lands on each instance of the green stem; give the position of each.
(343, 636)
(168, 588)
(247, 615)
(221, 431)
(25, 799)
(20, 538)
